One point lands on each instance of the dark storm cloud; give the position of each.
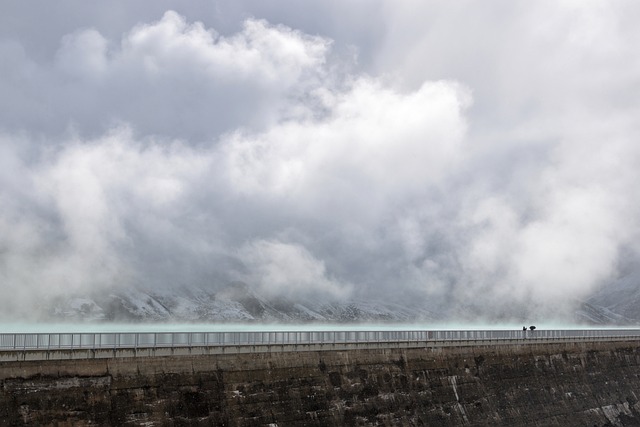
(480, 155)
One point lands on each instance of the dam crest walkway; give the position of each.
(59, 346)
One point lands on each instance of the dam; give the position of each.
(322, 378)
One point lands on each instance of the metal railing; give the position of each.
(52, 341)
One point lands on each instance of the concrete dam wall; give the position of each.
(563, 384)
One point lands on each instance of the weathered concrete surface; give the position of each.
(582, 384)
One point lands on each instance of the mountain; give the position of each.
(616, 304)
(621, 296)
(235, 303)
(593, 314)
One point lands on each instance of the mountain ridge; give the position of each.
(237, 302)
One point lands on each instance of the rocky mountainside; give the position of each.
(621, 296)
(235, 303)
(238, 303)
(593, 314)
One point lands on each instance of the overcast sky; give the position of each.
(482, 155)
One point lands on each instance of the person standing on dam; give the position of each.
(524, 332)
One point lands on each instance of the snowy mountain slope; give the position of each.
(235, 303)
(595, 315)
(619, 305)
(621, 296)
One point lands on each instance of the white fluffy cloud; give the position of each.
(375, 145)
(169, 78)
(480, 156)
(279, 268)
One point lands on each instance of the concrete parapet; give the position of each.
(109, 353)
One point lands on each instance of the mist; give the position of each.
(476, 159)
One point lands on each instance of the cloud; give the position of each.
(168, 77)
(475, 167)
(67, 221)
(279, 268)
(372, 137)
(562, 238)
